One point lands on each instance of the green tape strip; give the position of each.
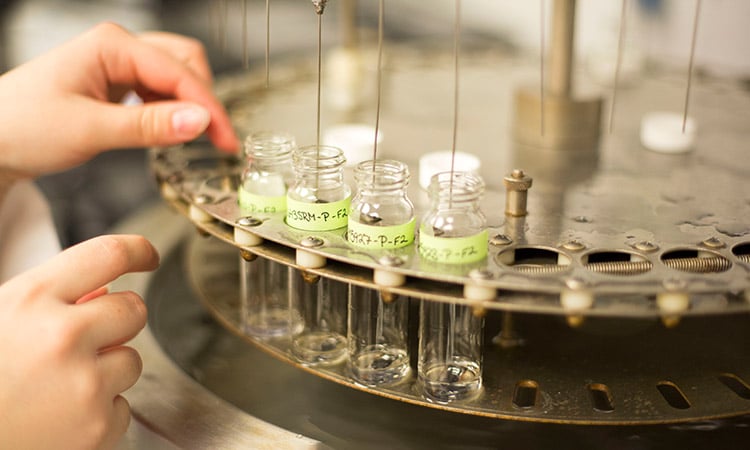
(373, 236)
(317, 216)
(252, 203)
(457, 250)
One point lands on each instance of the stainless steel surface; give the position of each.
(612, 203)
(628, 357)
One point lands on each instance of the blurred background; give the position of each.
(88, 200)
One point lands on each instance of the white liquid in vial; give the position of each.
(380, 364)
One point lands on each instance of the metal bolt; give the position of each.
(391, 261)
(500, 240)
(573, 245)
(517, 184)
(388, 297)
(310, 278)
(311, 242)
(713, 242)
(646, 246)
(248, 221)
(248, 256)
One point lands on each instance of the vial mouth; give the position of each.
(382, 174)
(318, 158)
(269, 144)
(456, 186)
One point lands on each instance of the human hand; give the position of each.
(63, 360)
(58, 109)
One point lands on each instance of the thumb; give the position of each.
(152, 124)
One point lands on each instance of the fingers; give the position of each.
(119, 368)
(118, 422)
(189, 51)
(111, 319)
(89, 265)
(152, 124)
(129, 61)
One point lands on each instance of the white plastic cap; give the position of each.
(662, 132)
(356, 140)
(436, 162)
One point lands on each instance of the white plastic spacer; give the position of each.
(672, 302)
(479, 293)
(199, 216)
(388, 278)
(573, 300)
(246, 238)
(309, 260)
(169, 192)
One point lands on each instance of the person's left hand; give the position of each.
(60, 109)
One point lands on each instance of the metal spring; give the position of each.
(695, 265)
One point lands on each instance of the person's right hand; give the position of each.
(63, 362)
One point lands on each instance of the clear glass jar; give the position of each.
(319, 201)
(264, 284)
(381, 217)
(268, 173)
(450, 336)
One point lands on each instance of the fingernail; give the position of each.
(190, 121)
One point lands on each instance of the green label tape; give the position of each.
(373, 236)
(458, 250)
(317, 216)
(252, 203)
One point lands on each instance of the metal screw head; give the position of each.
(517, 180)
(481, 274)
(713, 242)
(646, 246)
(311, 242)
(391, 261)
(248, 221)
(203, 199)
(573, 245)
(500, 240)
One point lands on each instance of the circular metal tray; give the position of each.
(627, 224)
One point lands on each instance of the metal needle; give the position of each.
(690, 63)
(620, 44)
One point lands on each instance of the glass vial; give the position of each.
(264, 284)
(319, 201)
(381, 217)
(450, 336)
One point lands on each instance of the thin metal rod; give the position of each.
(245, 56)
(381, 20)
(320, 74)
(561, 48)
(456, 50)
(541, 65)
(690, 63)
(268, 42)
(618, 63)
